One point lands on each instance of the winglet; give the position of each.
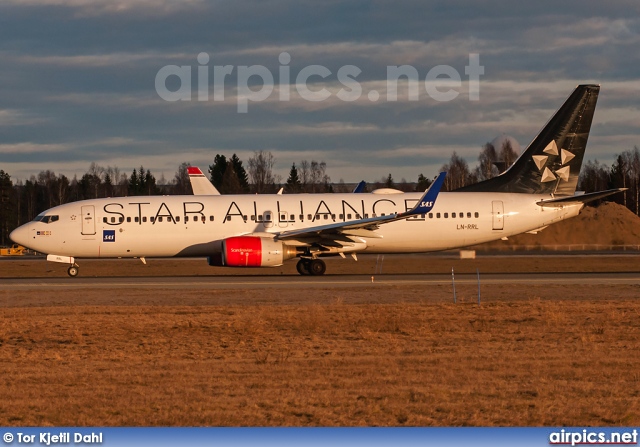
(428, 199)
(194, 170)
(200, 184)
(360, 188)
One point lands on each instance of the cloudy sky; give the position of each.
(78, 81)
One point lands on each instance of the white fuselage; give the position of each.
(161, 226)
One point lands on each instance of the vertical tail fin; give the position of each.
(551, 164)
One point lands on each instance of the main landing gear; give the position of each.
(73, 270)
(315, 267)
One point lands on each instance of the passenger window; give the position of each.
(309, 217)
(177, 218)
(301, 217)
(477, 215)
(358, 216)
(292, 217)
(438, 215)
(326, 217)
(159, 219)
(211, 218)
(430, 215)
(349, 216)
(128, 219)
(446, 215)
(152, 219)
(253, 217)
(243, 218)
(203, 219)
(366, 216)
(453, 215)
(259, 218)
(228, 218)
(186, 219)
(113, 219)
(317, 216)
(267, 217)
(422, 216)
(468, 215)
(104, 219)
(136, 219)
(144, 219)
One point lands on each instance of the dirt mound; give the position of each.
(608, 224)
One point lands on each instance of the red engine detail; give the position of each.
(252, 251)
(243, 251)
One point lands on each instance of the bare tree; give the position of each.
(458, 174)
(304, 173)
(261, 172)
(507, 154)
(181, 183)
(593, 177)
(486, 162)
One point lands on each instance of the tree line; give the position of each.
(21, 201)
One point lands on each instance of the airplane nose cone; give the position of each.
(20, 235)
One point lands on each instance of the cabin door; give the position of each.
(88, 220)
(498, 215)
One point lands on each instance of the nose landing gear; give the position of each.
(314, 267)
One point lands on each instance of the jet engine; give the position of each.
(253, 251)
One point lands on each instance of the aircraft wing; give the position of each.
(367, 227)
(200, 184)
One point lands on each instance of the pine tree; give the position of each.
(150, 187)
(389, 182)
(230, 181)
(216, 170)
(108, 185)
(7, 213)
(423, 183)
(241, 173)
(134, 184)
(142, 185)
(293, 184)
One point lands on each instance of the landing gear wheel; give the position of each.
(303, 267)
(73, 271)
(317, 267)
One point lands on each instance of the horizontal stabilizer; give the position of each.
(583, 198)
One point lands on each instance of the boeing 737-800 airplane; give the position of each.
(266, 230)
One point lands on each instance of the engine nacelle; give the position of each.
(253, 251)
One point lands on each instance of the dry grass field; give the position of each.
(383, 355)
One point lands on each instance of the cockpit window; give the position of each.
(46, 219)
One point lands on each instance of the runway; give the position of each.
(328, 281)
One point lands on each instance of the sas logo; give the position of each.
(426, 204)
(108, 235)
